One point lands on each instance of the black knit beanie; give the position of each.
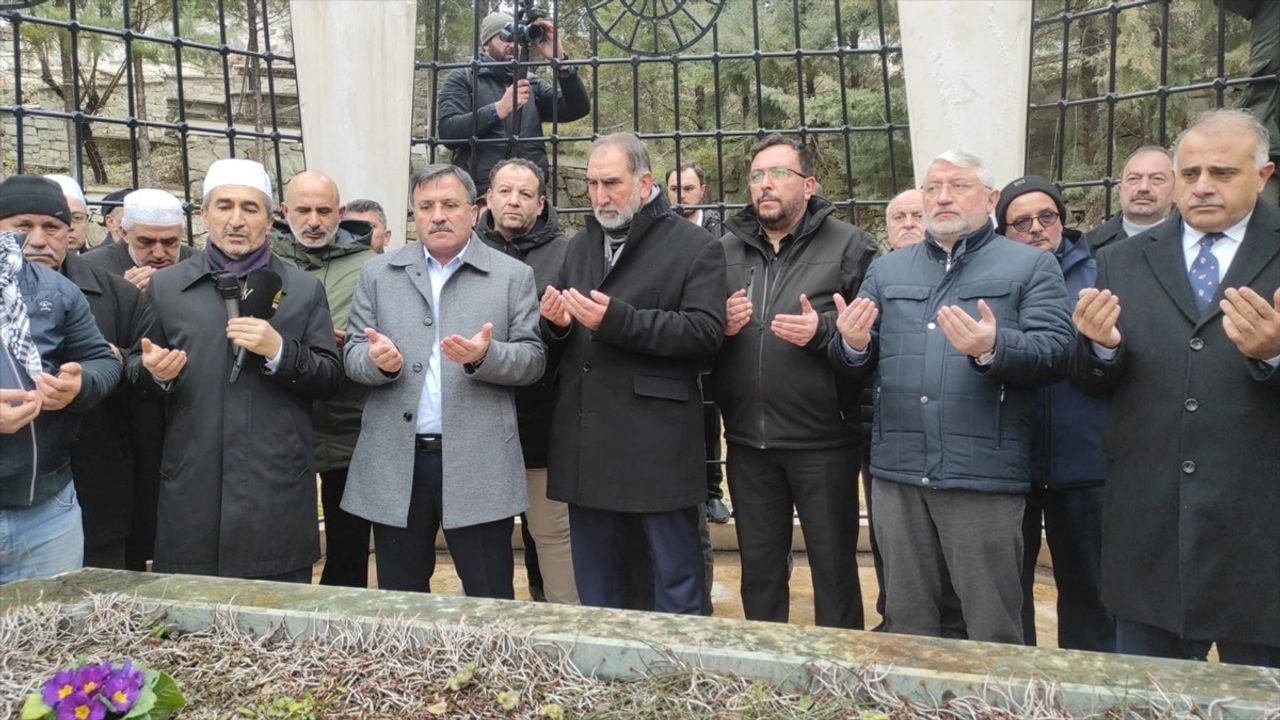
(1022, 186)
(33, 195)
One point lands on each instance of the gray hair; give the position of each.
(965, 159)
(368, 206)
(637, 153)
(1143, 151)
(439, 170)
(1261, 138)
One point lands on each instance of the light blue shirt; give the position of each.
(430, 403)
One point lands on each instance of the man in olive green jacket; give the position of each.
(314, 238)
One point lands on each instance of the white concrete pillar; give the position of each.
(354, 62)
(966, 65)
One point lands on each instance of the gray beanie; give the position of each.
(492, 24)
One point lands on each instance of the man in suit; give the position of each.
(638, 312)
(1191, 518)
(152, 223)
(442, 332)
(1146, 196)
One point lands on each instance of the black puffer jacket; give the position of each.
(542, 249)
(466, 110)
(772, 393)
(941, 420)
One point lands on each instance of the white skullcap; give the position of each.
(150, 206)
(70, 187)
(234, 171)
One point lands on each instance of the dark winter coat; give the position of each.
(1191, 520)
(237, 485)
(941, 420)
(627, 433)
(115, 258)
(543, 249)
(465, 110)
(772, 393)
(103, 457)
(1066, 442)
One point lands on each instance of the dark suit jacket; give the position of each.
(1107, 233)
(1191, 524)
(115, 257)
(102, 458)
(627, 428)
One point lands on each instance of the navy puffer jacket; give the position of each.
(941, 420)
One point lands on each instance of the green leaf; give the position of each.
(805, 703)
(35, 709)
(169, 697)
(552, 711)
(462, 678)
(508, 700)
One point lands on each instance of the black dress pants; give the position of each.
(346, 560)
(822, 486)
(407, 557)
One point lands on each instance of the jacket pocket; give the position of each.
(663, 388)
(997, 293)
(904, 306)
(1000, 418)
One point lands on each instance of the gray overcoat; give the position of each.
(484, 476)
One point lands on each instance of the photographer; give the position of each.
(478, 101)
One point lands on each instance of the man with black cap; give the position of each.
(47, 328)
(112, 213)
(478, 101)
(1067, 470)
(101, 457)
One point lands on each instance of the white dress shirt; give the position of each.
(430, 403)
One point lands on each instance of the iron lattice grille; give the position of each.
(1108, 77)
(96, 68)
(829, 73)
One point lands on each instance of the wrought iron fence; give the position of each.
(147, 92)
(700, 81)
(1110, 76)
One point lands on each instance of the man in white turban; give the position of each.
(77, 235)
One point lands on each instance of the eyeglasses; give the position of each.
(78, 217)
(958, 187)
(1046, 218)
(777, 173)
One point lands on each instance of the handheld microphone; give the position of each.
(261, 297)
(229, 288)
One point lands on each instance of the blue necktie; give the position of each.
(1204, 272)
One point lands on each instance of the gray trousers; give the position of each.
(924, 533)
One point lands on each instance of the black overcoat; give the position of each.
(102, 456)
(627, 428)
(1191, 521)
(237, 482)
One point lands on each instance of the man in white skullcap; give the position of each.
(153, 222)
(79, 211)
(237, 488)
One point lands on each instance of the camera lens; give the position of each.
(537, 35)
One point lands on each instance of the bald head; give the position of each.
(904, 219)
(313, 208)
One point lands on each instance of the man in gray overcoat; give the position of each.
(442, 332)
(237, 482)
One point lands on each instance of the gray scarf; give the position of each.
(15, 327)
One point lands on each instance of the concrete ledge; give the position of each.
(624, 644)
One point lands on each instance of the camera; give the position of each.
(523, 30)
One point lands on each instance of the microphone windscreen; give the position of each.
(262, 292)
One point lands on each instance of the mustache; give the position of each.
(440, 227)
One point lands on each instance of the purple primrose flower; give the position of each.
(80, 706)
(89, 678)
(58, 687)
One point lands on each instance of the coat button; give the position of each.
(579, 412)
(586, 366)
(408, 417)
(417, 367)
(924, 399)
(427, 321)
(924, 481)
(932, 326)
(1191, 404)
(1188, 467)
(1196, 343)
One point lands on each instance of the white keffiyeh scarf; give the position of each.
(15, 327)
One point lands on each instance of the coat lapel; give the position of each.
(413, 259)
(1260, 246)
(1168, 263)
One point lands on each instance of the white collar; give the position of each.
(1235, 233)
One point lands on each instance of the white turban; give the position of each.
(70, 187)
(234, 171)
(150, 206)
